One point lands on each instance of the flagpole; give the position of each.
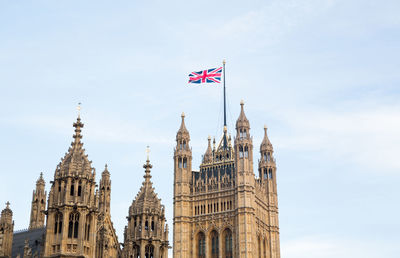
(224, 62)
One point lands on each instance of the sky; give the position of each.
(323, 75)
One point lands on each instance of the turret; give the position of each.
(243, 148)
(183, 159)
(72, 209)
(266, 165)
(105, 192)
(38, 204)
(182, 181)
(6, 231)
(208, 156)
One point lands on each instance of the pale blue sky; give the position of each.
(323, 75)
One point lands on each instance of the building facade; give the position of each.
(77, 219)
(224, 210)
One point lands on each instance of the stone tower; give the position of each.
(6, 231)
(245, 187)
(267, 175)
(72, 206)
(224, 210)
(38, 205)
(182, 180)
(106, 239)
(146, 235)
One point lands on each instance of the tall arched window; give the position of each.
(214, 244)
(80, 189)
(87, 227)
(184, 162)
(246, 152)
(240, 152)
(58, 217)
(227, 249)
(72, 191)
(201, 245)
(149, 251)
(73, 225)
(270, 173)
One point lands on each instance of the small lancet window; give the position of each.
(184, 162)
(180, 163)
(268, 156)
(184, 145)
(270, 173)
(79, 189)
(246, 152)
(152, 226)
(72, 192)
(146, 225)
(240, 152)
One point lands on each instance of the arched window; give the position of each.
(240, 152)
(184, 162)
(184, 145)
(146, 225)
(227, 249)
(201, 245)
(87, 227)
(180, 163)
(246, 152)
(58, 217)
(214, 244)
(72, 192)
(73, 225)
(149, 251)
(79, 189)
(270, 173)
(152, 226)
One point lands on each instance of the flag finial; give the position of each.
(224, 61)
(78, 108)
(148, 152)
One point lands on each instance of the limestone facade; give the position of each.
(224, 210)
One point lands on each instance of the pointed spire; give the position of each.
(182, 130)
(78, 129)
(208, 155)
(105, 172)
(242, 121)
(40, 180)
(266, 144)
(147, 167)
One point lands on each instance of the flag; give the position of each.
(212, 75)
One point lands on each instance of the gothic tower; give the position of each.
(146, 235)
(182, 182)
(38, 205)
(224, 210)
(245, 186)
(6, 232)
(107, 244)
(72, 206)
(267, 175)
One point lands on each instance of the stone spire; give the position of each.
(76, 162)
(105, 191)
(38, 206)
(182, 132)
(266, 145)
(146, 222)
(242, 121)
(208, 155)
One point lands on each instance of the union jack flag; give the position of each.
(212, 75)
